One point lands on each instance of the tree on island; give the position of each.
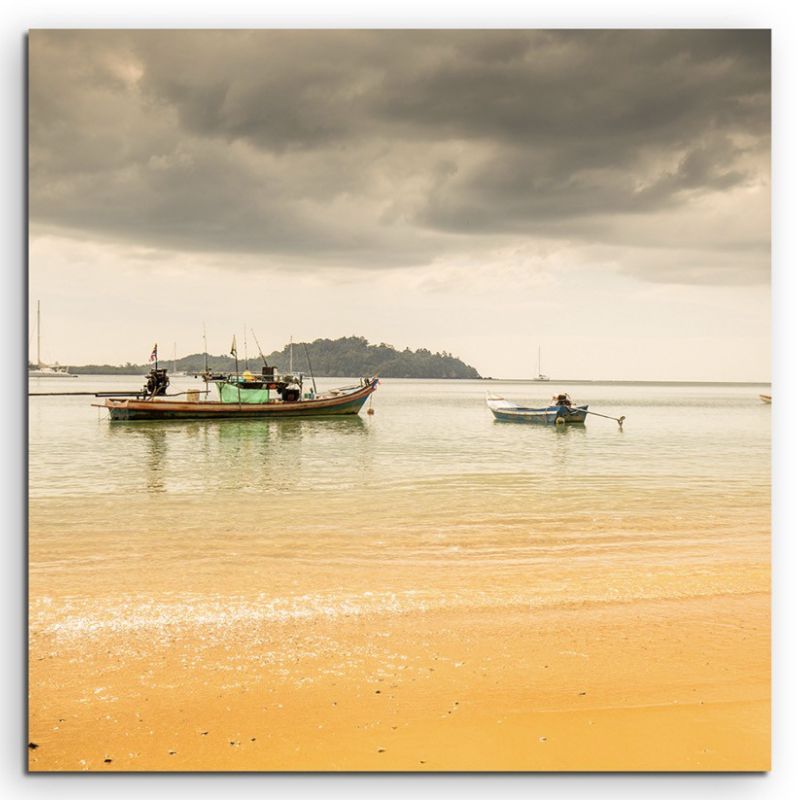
(349, 356)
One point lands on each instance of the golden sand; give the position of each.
(669, 685)
(175, 642)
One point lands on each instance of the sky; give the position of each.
(603, 195)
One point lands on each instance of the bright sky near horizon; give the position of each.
(602, 194)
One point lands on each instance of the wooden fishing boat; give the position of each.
(241, 397)
(562, 411)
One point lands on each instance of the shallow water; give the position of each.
(429, 503)
(435, 432)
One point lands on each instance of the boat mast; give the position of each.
(235, 354)
(38, 336)
(246, 359)
(205, 348)
(310, 369)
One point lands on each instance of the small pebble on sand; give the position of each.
(32, 745)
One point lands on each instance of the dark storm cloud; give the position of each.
(521, 191)
(376, 149)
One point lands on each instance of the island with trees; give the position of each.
(349, 356)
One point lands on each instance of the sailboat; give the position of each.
(541, 376)
(42, 370)
(175, 372)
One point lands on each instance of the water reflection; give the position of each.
(146, 452)
(421, 432)
(567, 437)
(248, 455)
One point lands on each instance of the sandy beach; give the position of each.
(669, 685)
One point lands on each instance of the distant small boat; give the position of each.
(560, 412)
(541, 376)
(42, 370)
(47, 371)
(766, 398)
(175, 373)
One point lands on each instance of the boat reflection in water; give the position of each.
(244, 455)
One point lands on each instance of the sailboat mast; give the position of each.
(205, 348)
(38, 335)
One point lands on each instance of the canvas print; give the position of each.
(399, 400)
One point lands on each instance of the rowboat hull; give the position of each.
(505, 411)
(159, 409)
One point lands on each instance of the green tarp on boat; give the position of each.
(229, 393)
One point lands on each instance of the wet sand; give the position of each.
(679, 684)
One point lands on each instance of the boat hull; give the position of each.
(157, 409)
(504, 411)
(536, 417)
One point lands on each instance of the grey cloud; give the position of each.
(383, 148)
(522, 191)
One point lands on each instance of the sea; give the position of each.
(426, 503)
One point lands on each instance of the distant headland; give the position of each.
(349, 356)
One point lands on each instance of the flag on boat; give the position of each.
(154, 354)
(233, 347)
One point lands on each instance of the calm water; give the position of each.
(429, 502)
(423, 433)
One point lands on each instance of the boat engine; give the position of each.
(157, 383)
(290, 394)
